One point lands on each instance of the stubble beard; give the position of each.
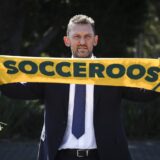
(81, 54)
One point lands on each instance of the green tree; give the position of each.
(39, 25)
(36, 27)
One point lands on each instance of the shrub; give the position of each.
(23, 118)
(142, 119)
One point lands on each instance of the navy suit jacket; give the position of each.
(109, 132)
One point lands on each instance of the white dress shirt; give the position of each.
(87, 140)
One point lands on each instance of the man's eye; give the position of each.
(88, 37)
(76, 37)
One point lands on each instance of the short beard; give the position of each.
(75, 55)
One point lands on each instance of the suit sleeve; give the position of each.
(139, 95)
(26, 91)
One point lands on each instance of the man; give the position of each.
(99, 134)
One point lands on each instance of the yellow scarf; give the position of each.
(130, 72)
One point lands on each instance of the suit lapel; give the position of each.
(66, 97)
(95, 96)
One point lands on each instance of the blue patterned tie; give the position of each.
(78, 123)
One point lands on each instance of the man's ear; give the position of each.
(66, 41)
(95, 40)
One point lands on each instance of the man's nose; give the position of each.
(82, 40)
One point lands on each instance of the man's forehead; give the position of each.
(81, 28)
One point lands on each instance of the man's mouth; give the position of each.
(82, 47)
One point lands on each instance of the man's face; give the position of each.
(81, 40)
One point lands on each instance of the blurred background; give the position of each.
(126, 28)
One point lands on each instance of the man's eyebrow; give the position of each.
(90, 34)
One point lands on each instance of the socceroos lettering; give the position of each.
(83, 70)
